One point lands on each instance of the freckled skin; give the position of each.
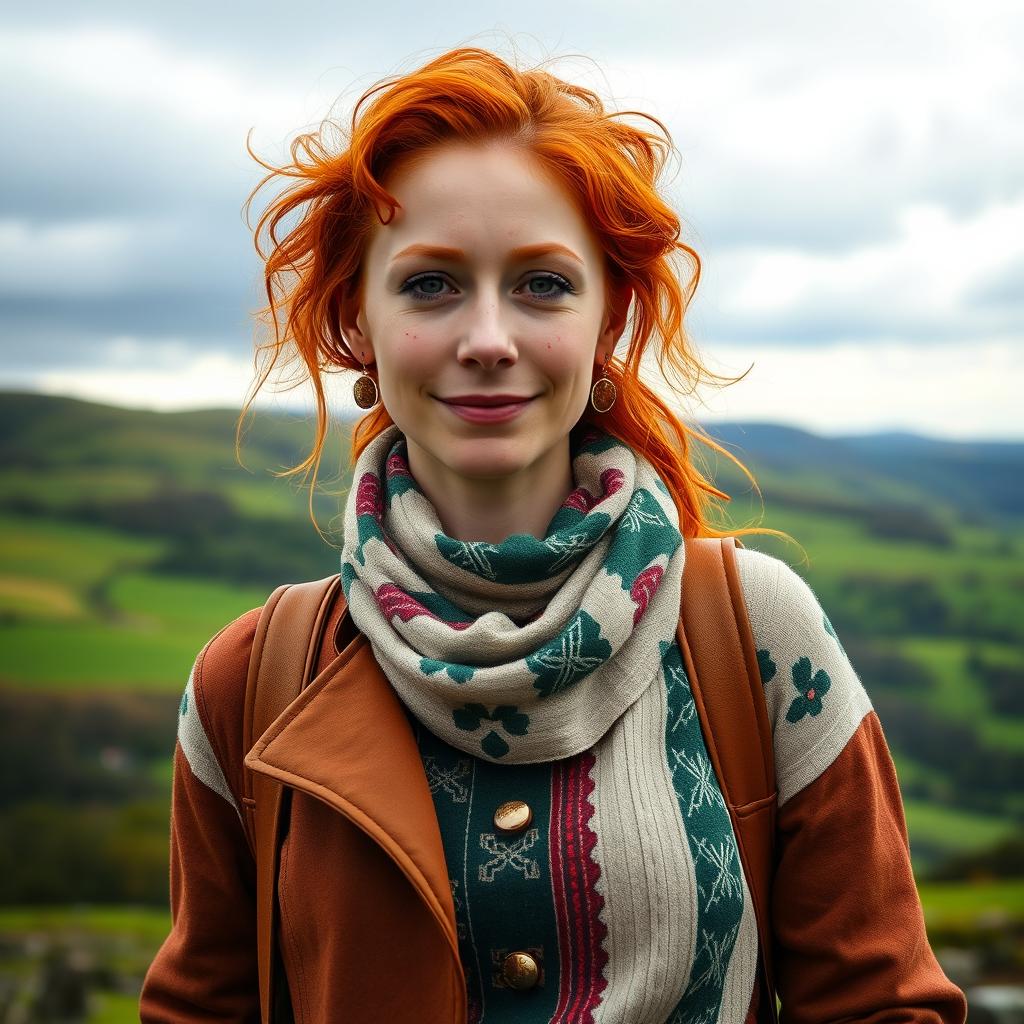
(482, 326)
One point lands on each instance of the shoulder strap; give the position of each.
(284, 655)
(721, 663)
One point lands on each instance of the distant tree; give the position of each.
(908, 522)
(168, 512)
(1001, 860)
(267, 552)
(1003, 684)
(894, 605)
(983, 777)
(94, 853)
(882, 669)
(79, 746)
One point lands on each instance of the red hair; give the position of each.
(609, 167)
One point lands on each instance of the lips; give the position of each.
(487, 408)
(486, 400)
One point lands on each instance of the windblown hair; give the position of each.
(608, 166)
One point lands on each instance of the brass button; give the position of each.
(512, 816)
(520, 970)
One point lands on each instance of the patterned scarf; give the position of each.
(527, 650)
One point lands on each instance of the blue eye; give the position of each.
(414, 282)
(557, 280)
(561, 288)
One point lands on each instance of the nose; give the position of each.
(487, 341)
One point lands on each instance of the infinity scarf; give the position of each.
(527, 650)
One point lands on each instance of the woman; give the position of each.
(512, 559)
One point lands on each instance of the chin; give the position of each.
(487, 458)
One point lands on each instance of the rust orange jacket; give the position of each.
(368, 931)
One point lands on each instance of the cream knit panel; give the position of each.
(815, 697)
(647, 874)
(649, 883)
(196, 746)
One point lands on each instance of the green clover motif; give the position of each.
(470, 717)
(460, 673)
(767, 666)
(522, 558)
(812, 689)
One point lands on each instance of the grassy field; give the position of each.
(126, 939)
(146, 926)
(953, 830)
(85, 609)
(72, 554)
(137, 656)
(963, 903)
(837, 546)
(946, 658)
(80, 613)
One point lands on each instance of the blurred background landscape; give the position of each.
(129, 537)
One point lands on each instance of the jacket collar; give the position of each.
(346, 741)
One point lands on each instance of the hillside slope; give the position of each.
(127, 538)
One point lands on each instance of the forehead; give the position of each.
(480, 197)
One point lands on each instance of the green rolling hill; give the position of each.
(128, 538)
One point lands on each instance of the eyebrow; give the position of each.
(524, 252)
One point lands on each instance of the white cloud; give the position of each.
(123, 68)
(950, 391)
(164, 377)
(918, 279)
(170, 375)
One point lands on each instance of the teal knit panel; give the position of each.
(501, 883)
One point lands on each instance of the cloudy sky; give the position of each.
(851, 174)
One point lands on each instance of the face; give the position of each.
(513, 306)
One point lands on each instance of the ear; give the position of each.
(355, 330)
(616, 315)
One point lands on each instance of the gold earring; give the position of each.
(603, 394)
(365, 390)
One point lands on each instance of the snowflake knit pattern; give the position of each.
(487, 644)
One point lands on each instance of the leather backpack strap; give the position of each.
(721, 662)
(284, 654)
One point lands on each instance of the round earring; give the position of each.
(603, 394)
(365, 390)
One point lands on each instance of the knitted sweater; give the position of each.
(626, 887)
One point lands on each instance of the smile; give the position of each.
(488, 413)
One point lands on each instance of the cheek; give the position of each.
(409, 356)
(566, 355)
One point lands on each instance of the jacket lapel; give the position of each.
(346, 740)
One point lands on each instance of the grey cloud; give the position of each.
(1003, 291)
(814, 327)
(71, 157)
(322, 34)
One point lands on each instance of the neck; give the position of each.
(492, 509)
